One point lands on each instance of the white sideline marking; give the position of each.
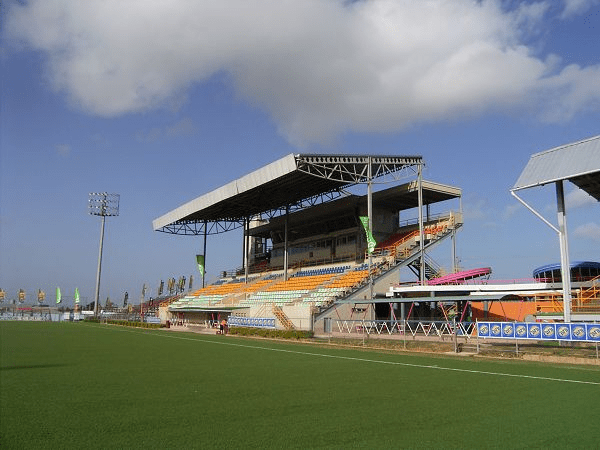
(394, 363)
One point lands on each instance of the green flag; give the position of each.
(371, 243)
(76, 296)
(200, 261)
(58, 296)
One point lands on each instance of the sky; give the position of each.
(164, 101)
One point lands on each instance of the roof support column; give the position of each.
(565, 265)
(204, 254)
(370, 214)
(247, 249)
(453, 255)
(564, 250)
(285, 244)
(243, 245)
(421, 231)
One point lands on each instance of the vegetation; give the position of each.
(270, 333)
(126, 323)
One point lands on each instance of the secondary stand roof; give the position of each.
(578, 162)
(341, 213)
(296, 180)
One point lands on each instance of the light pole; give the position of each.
(102, 204)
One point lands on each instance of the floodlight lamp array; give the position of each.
(104, 204)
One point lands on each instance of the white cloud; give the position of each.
(578, 198)
(63, 149)
(183, 127)
(147, 137)
(575, 7)
(589, 230)
(476, 208)
(572, 91)
(511, 210)
(318, 67)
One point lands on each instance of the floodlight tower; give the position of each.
(102, 204)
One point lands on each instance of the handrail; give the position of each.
(582, 302)
(392, 250)
(591, 293)
(436, 217)
(459, 277)
(432, 227)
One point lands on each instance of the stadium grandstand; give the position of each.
(318, 248)
(307, 237)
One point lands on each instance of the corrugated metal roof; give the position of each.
(286, 181)
(578, 162)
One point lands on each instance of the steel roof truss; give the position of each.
(194, 228)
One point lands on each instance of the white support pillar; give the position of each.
(421, 231)
(247, 250)
(204, 254)
(370, 214)
(285, 244)
(565, 265)
(453, 255)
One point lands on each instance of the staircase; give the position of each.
(283, 319)
(432, 269)
(588, 299)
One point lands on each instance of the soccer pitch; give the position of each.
(68, 385)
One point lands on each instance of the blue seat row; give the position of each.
(324, 271)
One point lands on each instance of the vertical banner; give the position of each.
(58, 296)
(371, 243)
(76, 296)
(200, 262)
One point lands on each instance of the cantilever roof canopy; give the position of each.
(406, 196)
(578, 162)
(294, 180)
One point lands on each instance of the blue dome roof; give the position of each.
(574, 265)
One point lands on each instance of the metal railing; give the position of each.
(407, 328)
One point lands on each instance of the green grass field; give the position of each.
(75, 385)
